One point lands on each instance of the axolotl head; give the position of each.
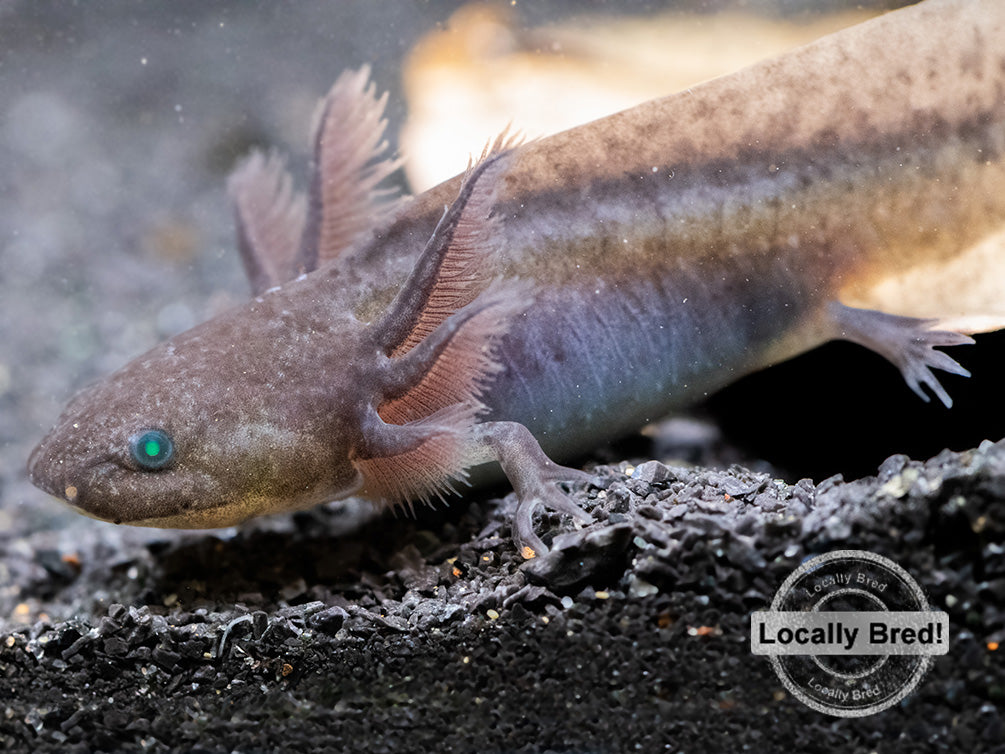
(226, 421)
(290, 400)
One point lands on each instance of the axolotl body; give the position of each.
(567, 290)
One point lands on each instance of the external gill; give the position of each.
(434, 349)
(282, 233)
(438, 340)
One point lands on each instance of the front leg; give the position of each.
(435, 352)
(400, 463)
(533, 475)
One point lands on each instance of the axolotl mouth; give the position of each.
(94, 488)
(95, 492)
(72, 485)
(137, 478)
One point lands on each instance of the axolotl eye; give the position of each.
(152, 449)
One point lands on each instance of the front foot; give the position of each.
(545, 492)
(534, 477)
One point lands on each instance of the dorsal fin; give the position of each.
(348, 165)
(456, 264)
(269, 217)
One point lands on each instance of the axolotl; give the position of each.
(566, 290)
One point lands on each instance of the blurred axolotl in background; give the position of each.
(565, 291)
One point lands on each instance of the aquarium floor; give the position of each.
(334, 630)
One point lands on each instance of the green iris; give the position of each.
(152, 449)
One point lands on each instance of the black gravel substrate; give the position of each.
(631, 635)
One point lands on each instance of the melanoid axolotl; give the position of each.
(565, 291)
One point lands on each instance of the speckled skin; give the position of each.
(688, 241)
(665, 251)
